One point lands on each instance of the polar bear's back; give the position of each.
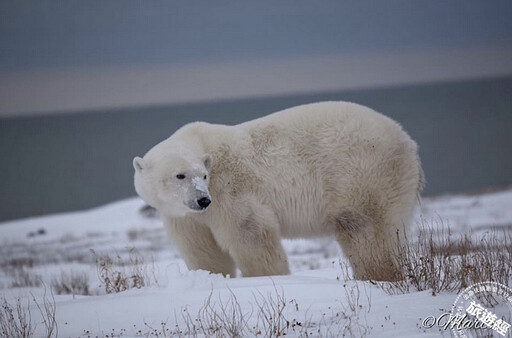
(326, 119)
(329, 133)
(318, 159)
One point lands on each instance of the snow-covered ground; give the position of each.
(316, 297)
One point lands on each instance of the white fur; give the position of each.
(331, 168)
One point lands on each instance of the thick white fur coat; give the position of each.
(331, 168)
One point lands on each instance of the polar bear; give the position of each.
(228, 194)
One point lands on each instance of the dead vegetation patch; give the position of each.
(270, 315)
(437, 260)
(16, 319)
(117, 274)
(22, 278)
(71, 283)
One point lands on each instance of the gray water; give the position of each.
(75, 161)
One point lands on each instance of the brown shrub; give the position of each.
(71, 283)
(117, 275)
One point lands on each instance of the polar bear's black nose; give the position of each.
(204, 202)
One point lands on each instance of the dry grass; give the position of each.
(26, 255)
(118, 274)
(352, 316)
(348, 319)
(439, 261)
(48, 310)
(22, 278)
(229, 321)
(271, 319)
(15, 320)
(71, 283)
(216, 319)
(271, 315)
(19, 269)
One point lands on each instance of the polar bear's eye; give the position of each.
(204, 178)
(180, 176)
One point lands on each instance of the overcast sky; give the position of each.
(53, 37)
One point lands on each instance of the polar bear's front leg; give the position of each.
(198, 248)
(257, 248)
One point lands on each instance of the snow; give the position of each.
(472, 212)
(315, 293)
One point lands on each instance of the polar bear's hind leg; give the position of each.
(368, 251)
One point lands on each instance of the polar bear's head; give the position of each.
(174, 182)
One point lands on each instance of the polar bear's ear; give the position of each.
(207, 160)
(138, 163)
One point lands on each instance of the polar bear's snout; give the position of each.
(200, 201)
(200, 196)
